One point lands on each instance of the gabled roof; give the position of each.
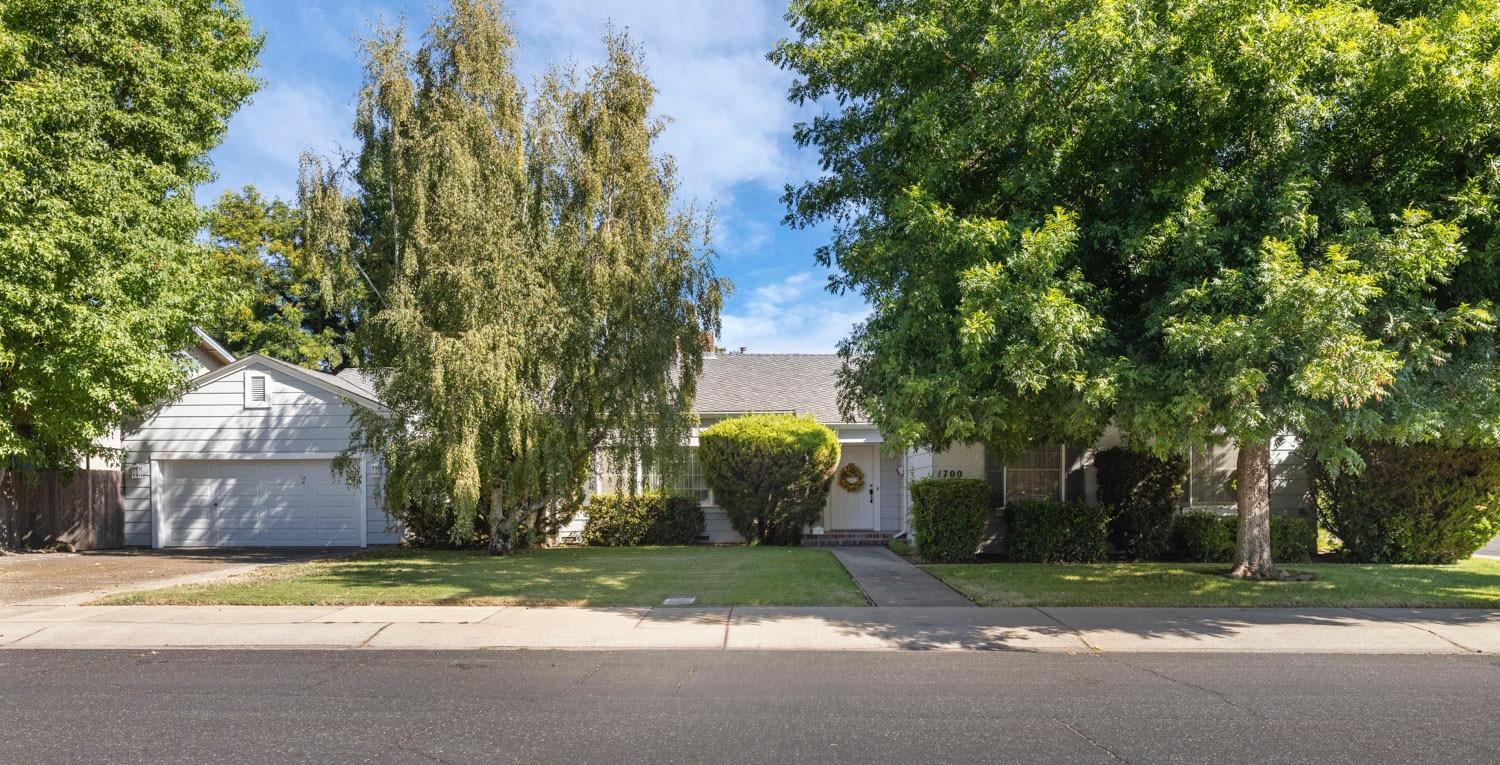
(211, 347)
(359, 378)
(803, 383)
(331, 383)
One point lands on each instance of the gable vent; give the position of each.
(255, 391)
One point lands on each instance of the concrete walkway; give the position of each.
(888, 580)
(1108, 630)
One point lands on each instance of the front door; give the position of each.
(857, 510)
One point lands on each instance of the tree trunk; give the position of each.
(1252, 556)
(500, 541)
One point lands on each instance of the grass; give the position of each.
(587, 576)
(1471, 584)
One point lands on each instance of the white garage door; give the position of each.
(256, 503)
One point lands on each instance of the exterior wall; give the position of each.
(892, 494)
(211, 421)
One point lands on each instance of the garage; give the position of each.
(257, 503)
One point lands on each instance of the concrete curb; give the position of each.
(1070, 630)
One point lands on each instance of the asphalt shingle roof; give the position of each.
(805, 383)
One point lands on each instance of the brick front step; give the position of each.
(846, 539)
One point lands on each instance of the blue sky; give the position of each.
(730, 131)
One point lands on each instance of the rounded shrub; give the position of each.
(770, 472)
(1141, 491)
(624, 520)
(947, 517)
(1056, 532)
(1200, 536)
(1413, 504)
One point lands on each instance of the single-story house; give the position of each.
(244, 458)
(743, 383)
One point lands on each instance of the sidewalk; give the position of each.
(887, 580)
(1125, 630)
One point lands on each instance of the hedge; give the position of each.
(947, 517)
(625, 520)
(1141, 491)
(771, 473)
(1200, 536)
(1056, 532)
(1413, 504)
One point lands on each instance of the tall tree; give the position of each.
(533, 295)
(271, 290)
(1195, 218)
(107, 109)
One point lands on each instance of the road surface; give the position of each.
(225, 707)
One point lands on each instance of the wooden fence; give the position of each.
(81, 509)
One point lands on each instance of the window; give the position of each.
(1036, 474)
(614, 479)
(1211, 475)
(257, 391)
(691, 482)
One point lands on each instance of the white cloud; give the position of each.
(267, 137)
(730, 116)
(794, 315)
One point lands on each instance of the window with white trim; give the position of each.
(690, 481)
(1211, 476)
(257, 390)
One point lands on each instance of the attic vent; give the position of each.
(255, 391)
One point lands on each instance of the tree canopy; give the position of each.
(270, 288)
(1194, 218)
(530, 291)
(107, 110)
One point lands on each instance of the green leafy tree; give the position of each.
(530, 294)
(107, 110)
(1195, 218)
(271, 290)
(770, 472)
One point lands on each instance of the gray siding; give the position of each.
(212, 421)
(891, 492)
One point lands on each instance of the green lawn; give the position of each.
(1472, 584)
(587, 576)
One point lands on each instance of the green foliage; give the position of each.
(531, 291)
(627, 520)
(902, 547)
(770, 472)
(1413, 504)
(1200, 536)
(1191, 218)
(1141, 491)
(107, 112)
(270, 290)
(947, 517)
(1056, 532)
(1294, 539)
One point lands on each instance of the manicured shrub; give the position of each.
(1056, 532)
(1200, 536)
(624, 520)
(947, 517)
(1141, 491)
(1293, 539)
(1413, 504)
(771, 473)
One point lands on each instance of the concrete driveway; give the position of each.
(72, 578)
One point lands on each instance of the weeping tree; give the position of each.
(530, 293)
(1197, 219)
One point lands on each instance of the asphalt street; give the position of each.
(681, 706)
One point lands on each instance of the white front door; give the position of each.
(256, 503)
(856, 510)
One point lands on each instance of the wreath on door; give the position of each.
(851, 478)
